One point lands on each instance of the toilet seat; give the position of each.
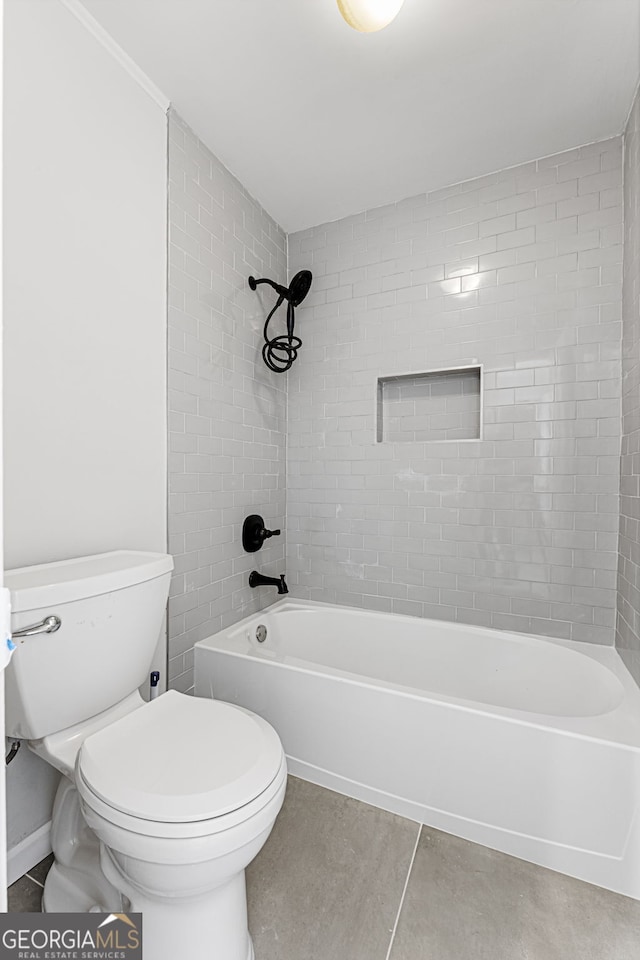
(178, 762)
(197, 832)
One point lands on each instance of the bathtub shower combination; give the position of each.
(527, 745)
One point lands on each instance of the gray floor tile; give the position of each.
(328, 883)
(40, 871)
(24, 896)
(465, 902)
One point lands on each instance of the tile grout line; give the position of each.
(404, 891)
(33, 880)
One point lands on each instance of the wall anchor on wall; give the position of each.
(254, 533)
(280, 352)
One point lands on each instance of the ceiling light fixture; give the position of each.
(367, 16)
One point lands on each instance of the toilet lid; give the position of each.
(179, 759)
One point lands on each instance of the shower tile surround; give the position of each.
(227, 412)
(520, 272)
(628, 621)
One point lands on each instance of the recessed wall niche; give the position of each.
(434, 405)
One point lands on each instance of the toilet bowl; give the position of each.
(163, 804)
(182, 795)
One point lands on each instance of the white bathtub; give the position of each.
(527, 745)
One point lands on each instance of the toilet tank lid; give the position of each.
(68, 580)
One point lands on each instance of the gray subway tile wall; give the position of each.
(628, 621)
(227, 411)
(520, 271)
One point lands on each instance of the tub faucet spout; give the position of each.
(259, 580)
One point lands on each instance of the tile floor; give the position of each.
(341, 880)
(25, 894)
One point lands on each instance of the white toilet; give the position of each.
(163, 804)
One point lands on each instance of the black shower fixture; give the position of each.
(254, 533)
(280, 352)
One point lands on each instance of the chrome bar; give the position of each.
(48, 625)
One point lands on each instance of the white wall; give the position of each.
(3, 799)
(84, 312)
(85, 327)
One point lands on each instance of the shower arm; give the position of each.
(283, 292)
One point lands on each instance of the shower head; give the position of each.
(299, 287)
(294, 293)
(280, 352)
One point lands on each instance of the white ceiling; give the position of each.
(319, 121)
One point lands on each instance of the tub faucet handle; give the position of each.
(254, 533)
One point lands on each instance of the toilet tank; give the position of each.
(111, 606)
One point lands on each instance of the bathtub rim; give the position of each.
(621, 725)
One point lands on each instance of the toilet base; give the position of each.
(65, 892)
(209, 927)
(75, 883)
